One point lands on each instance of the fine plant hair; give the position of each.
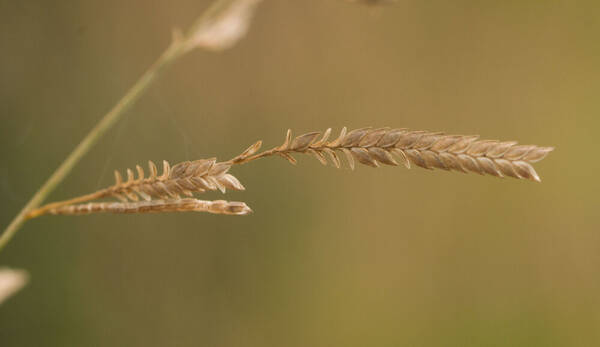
(172, 190)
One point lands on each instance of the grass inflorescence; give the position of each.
(173, 190)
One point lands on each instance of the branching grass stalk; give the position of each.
(212, 23)
(367, 146)
(92, 138)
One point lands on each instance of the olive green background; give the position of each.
(374, 257)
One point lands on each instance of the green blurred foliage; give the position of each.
(386, 257)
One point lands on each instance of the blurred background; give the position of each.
(385, 257)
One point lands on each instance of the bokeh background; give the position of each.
(385, 257)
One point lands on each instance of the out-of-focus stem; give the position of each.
(92, 137)
(178, 47)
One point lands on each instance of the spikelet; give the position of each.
(224, 25)
(425, 149)
(184, 178)
(156, 206)
(11, 281)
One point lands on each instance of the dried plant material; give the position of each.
(11, 281)
(156, 206)
(430, 150)
(184, 178)
(366, 146)
(223, 26)
(219, 27)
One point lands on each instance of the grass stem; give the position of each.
(175, 50)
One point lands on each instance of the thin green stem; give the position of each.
(174, 51)
(181, 44)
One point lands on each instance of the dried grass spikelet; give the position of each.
(223, 26)
(184, 178)
(156, 206)
(11, 281)
(429, 150)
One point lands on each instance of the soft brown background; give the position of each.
(386, 257)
